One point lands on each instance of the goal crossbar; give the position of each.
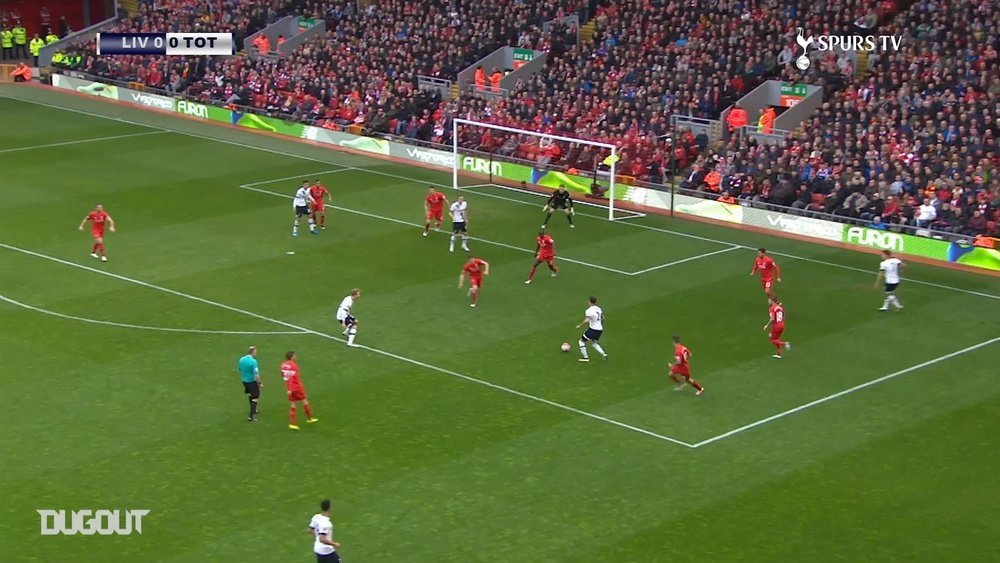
(457, 123)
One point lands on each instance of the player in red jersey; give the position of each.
(769, 271)
(294, 389)
(680, 370)
(98, 218)
(545, 251)
(434, 208)
(319, 195)
(776, 322)
(475, 268)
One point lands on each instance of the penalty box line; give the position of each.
(371, 349)
(253, 187)
(846, 392)
(217, 139)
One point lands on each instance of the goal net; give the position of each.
(533, 164)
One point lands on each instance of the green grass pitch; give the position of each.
(459, 434)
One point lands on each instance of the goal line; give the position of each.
(620, 213)
(585, 168)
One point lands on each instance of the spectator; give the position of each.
(737, 118)
(926, 214)
(976, 224)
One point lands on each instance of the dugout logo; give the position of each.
(88, 522)
(852, 43)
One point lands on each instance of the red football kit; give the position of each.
(681, 356)
(435, 206)
(318, 195)
(474, 268)
(777, 314)
(546, 248)
(768, 270)
(97, 221)
(293, 385)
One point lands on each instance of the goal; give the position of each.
(522, 161)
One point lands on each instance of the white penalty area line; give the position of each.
(384, 353)
(837, 395)
(82, 141)
(410, 224)
(685, 260)
(297, 176)
(326, 162)
(145, 327)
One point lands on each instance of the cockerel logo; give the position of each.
(803, 62)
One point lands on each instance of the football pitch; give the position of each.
(457, 434)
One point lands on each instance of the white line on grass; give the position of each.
(385, 353)
(144, 327)
(683, 260)
(297, 176)
(82, 141)
(409, 224)
(884, 378)
(390, 175)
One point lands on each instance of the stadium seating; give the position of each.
(242, 18)
(645, 61)
(921, 130)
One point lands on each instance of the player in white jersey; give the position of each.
(321, 528)
(346, 319)
(300, 203)
(889, 269)
(459, 212)
(593, 317)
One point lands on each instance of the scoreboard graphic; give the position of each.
(165, 44)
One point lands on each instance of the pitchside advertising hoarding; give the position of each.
(959, 252)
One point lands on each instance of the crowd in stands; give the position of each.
(914, 142)
(648, 60)
(177, 74)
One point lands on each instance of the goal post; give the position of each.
(483, 148)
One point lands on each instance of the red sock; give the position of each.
(531, 275)
(100, 248)
(93, 249)
(778, 344)
(291, 416)
(427, 227)
(322, 220)
(309, 411)
(696, 385)
(474, 295)
(554, 268)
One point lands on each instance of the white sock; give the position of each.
(295, 227)
(895, 301)
(312, 224)
(885, 304)
(350, 335)
(452, 243)
(598, 348)
(583, 349)
(465, 242)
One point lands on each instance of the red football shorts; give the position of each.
(678, 369)
(477, 282)
(435, 215)
(296, 395)
(776, 331)
(97, 232)
(545, 257)
(319, 207)
(767, 283)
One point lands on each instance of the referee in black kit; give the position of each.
(560, 199)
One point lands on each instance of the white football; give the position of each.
(565, 347)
